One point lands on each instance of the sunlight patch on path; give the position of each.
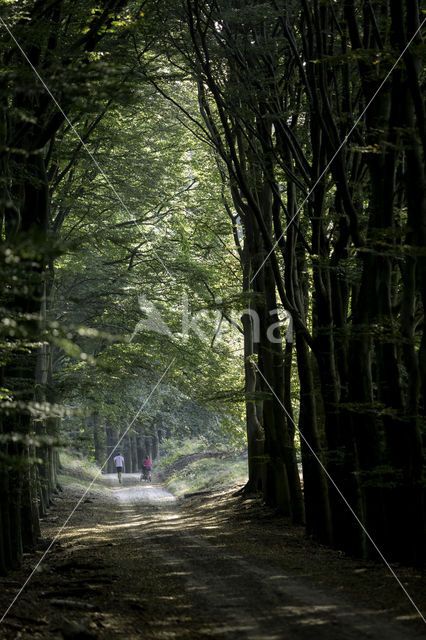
(133, 491)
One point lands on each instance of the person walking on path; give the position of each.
(119, 465)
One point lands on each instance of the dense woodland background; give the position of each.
(252, 170)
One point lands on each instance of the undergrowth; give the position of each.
(203, 474)
(76, 472)
(173, 449)
(209, 474)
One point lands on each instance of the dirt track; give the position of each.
(138, 563)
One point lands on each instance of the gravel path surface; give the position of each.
(240, 599)
(137, 563)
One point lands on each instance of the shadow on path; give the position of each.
(137, 563)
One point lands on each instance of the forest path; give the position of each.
(138, 563)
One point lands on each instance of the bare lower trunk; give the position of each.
(318, 515)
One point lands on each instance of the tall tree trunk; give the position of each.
(255, 435)
(317, 506)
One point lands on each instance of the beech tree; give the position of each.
(43, 45)
(306, 97)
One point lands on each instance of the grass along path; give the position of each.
(204, 471)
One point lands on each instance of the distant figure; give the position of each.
(119, 464)
(146, 469)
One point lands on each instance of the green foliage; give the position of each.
(174, 448)
(109, 362)
(209, 474)
(77, 473)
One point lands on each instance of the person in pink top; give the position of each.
(146, 469)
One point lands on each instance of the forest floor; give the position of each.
(133, 562)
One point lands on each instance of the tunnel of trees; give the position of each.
(214, 221)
